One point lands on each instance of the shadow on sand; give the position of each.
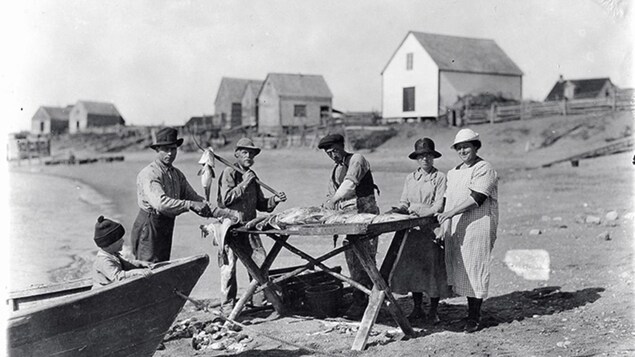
(515, 306)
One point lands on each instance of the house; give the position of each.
(50, 120)
(250, 103)
(234, 99)
(428, 72)
(88, 116)
(581, 89)
(205, 122)
(287, 102)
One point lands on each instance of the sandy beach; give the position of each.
(591, 311)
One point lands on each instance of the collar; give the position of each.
(419, 174)
(163, 166)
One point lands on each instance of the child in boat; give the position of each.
(109, 265)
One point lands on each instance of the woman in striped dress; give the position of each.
(470, 220)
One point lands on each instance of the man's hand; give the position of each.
(248, 177)
(235, 216)
(329, 204)
(201, 208)
(141, 272)
(280, 197)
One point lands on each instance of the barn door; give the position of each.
(237, 115)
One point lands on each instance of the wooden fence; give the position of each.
(621, 101)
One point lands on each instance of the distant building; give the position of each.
(428, 72)
(87, 115)
(233, 99)
(50, 120)
(581, 89)
(250, 103)
(290, 101)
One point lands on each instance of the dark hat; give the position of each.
(330, 140)
(424, 146)
(246, 143)
(107, 232)
(166, 136)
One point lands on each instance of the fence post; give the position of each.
(564, 106)
(492, 113)
(522, 109)
(613, 100)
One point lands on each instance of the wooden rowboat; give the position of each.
(126, 318)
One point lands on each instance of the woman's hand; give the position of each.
(442, 217)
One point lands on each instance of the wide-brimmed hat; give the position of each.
(330, 140)
(465, 135)
(107, 232)
(246, 143)
(166, 136)
(424, 146)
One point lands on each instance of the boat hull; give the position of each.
(127, 318)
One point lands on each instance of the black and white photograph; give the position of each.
(330, 178)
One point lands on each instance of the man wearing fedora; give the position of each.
(162, 194)
(351, 187)
(242, 193)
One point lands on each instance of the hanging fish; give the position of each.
(207, 171)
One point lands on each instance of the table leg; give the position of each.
(392, 255)
(370, 315)
(258, 274)
(251, 289)
(379, 284)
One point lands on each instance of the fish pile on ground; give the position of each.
(211, 335)
(319, 215)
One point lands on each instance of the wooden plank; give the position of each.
(256, 273)
(370, 316)
(251, 289)
(392, 254)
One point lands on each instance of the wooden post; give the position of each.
(564, 106)
(492, 113)
(522, 109)
(613, 100)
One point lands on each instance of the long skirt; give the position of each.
(421, 267)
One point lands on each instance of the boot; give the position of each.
(417, 311)
(358, 307)
(433, 316)
(473, 323)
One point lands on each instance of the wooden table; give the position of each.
(356, 234)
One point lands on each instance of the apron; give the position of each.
(151, 237)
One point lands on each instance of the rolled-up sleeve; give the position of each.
(358, 166)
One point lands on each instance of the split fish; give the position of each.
(361, 218)
(390, 217)
(218, 229)
(207, 171)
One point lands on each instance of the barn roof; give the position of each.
(234, 88)
(99, 108)
(466, 54)
(304, 85)
(584, 88)
(254, 87)
(57, 113)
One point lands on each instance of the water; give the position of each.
(51, 225)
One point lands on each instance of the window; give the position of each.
(41, 127)
(77, 124)
(409, 57)
(299, 110)
(409, 99)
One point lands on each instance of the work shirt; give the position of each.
(247, 199)
(164, 189)
(354, 168)
(423, 192)
(109, 268)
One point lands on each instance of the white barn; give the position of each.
(428, 72)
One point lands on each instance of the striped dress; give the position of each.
(470, 236)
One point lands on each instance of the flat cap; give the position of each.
(330, 140)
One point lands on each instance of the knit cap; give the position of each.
(107, 232)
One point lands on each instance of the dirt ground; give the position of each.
(583, 308)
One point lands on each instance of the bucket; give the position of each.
(323, 299)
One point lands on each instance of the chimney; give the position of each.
(561, 79)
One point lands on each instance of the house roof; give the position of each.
(253, 87)
(57, 113)
(234, 88)
(207, 119)
(583, 88)
(303, 85)
(99, 108)
(465, 54)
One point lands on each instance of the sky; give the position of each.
(161, 62)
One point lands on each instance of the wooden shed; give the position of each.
(235, 99)
(581, 89)
(87, 115)
(428, 72)
(293, 101)
(50, 120)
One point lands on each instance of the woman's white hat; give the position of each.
(465, 135)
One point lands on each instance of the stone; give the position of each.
(579, 218)
(611, 216)
(535, 232)
(530, 264)
(593, 220)
(604, 236)
(545, 218)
